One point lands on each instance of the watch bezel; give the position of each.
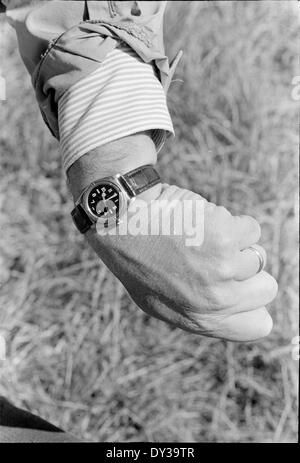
(123, 201)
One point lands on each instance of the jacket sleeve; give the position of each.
(62, 41)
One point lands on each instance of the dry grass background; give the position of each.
(79, 352)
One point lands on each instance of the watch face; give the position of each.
(104, 201)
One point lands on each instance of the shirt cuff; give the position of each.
(122, 97)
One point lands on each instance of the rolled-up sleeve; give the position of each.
(122, 97)
(98, 68)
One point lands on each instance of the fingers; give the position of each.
(248, 231)
(246, 326)
(244, 229)
(255, 292)
(248, 262)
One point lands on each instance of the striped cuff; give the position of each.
(122, 97)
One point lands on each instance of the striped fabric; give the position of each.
(122, 97)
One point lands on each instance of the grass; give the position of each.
(79, 352)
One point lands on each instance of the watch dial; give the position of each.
(103, 201)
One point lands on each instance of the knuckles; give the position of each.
(222, 298)
(266, 325)
(225, 270)
(219, 225)
(223, 242)
(263, 324)
(253, 228)
(270, 287)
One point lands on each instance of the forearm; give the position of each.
(119, 156)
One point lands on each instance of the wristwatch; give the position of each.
(105, 200)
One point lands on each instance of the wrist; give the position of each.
(117, 157)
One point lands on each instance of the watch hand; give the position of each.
(113, 196)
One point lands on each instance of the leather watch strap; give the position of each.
(81, 219)
(141, 179)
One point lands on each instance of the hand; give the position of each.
(211, 289)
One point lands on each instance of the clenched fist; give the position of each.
(211, 288)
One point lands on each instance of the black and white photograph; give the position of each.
(149, 215)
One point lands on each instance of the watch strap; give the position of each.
(141, 179)
(81, 219)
